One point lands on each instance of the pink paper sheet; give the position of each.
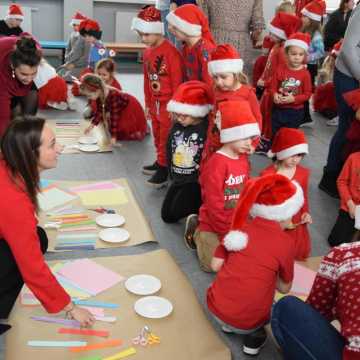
(303, 280)
(104, 185)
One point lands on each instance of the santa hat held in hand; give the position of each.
(190, 20)
(15, 12)
(288, 142)
(148, 21)
(77, 18)
(272, 197)
(283, 25)
(335, 51)
(192, 98)
(90, 27)
(299, 39)
(352, 98)
(315, 10)
(236, 121)
(225, 59)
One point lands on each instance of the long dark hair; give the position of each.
(20, 150)
(25, 53)
(342, 5)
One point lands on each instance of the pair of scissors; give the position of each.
(153, 339)
(141, 339)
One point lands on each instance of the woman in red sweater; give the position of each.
(27, 148)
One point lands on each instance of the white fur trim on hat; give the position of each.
(184, 26)
(147, 27)
(188, 109)
(278, 32)
(311, 15)
(293, 150)
(235, 240)
(75, 22)
(19, 17)
(239, 132)
(283, 211)
(295, 42)
(225, 66)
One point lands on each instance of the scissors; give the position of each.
(153, 339)
(102, 210)
(146, 337)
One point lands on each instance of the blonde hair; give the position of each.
(241, 78)
(326, 72)
(285, 6)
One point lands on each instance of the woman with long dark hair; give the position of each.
(28, 147)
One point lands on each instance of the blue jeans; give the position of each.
(303, 333)
(343, 84)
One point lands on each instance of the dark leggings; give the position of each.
(181, 201)
(11, 280)
(25, 105)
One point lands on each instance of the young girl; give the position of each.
(291, 85)
(189, 107)
(190, 25)
(288, 148)
(285, 6)
(120, 115)
(222, 179)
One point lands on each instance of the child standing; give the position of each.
(190, 25)
(222, 179)
(256, 258)
(189, 107)
(163, 73)
(11, 24)
(288, 148)
(291, 85)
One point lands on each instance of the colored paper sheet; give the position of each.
(71, 288)
(122, 354)
(303, 280)
(96, 311)
(88, 332)
(90, 276)
(55, 320)
(44, 183)
(75, 247)
(77, 236)
(91, 358)
(101, 345)
(279, 296)
(95, 303)
(52, 197)
(69, 344)
(104, 185)
(103, 197)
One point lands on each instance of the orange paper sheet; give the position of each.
(101, 333)
(102, 345)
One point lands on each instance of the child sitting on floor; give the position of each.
(222, 179)
(255, 259)
(288, 148)
(189, 107)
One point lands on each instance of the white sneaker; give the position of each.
(309, 124)
(226, 330)
(333, 122)
(58, 105)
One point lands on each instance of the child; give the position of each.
(189, 106)
(119, 115)
(286, 7)
(291, 85)
(225, 67)
(222, 179)
(163, 73)
(11, 24)
(190, 25)
(299, 5)
(255, 259)
(288, 148)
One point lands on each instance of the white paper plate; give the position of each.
(143, 284)
(89, 148)
(87, 140)
(114, 235)
(153, 307)
(110, 220)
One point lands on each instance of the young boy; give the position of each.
(291, 85)
(163, 73)
(255, 259)
(222, 179)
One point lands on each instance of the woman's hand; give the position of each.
(83, 316)
(261, 83)
(88, 129)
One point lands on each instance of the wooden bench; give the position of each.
(120, 47)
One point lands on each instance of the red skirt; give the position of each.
(266, 104)
(54, 91)
(75, 89)
(324, 98)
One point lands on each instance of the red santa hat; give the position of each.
(77, 18)
(236, 121)
(192, 98)
(148, 21)
(335, 51)
(315, 10)
(352, 98)
(15, 12)
(288, 142)
(284, 24)
(268, 43)
(302, 40)
(272, 197)
(225, 59)
(90, 27)
(190, 20)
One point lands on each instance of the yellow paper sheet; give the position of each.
(278, 296)
(103, 197)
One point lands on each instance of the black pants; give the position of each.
(290, 118)
(11, 280)
(25, 105)
(181, 201)
(343, 230)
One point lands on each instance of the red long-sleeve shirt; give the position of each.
(163, 72)
(259, 68)
(18, 228)
(336, 293)
(222, 181)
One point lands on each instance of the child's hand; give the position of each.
(261, 83)
(69, 66)
(277, 98)
(351, 205)
(88, 129)
(288, 99)
(306, 218)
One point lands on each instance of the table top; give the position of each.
(52, 44)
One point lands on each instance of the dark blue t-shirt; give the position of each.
(183, 2)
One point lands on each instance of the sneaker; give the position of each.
(190, 227)
(333, 122)
(150, 169)
(159, 178)
(58, 105)
(263, 147)
(226, 329)
(254, 342)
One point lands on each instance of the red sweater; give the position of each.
(222, 180)
(336, 293)
(348, 182)
(18, 228)
(243, 290)
(296, 82)
(259, 68)
(275, 59)
(163, 73)
(10, 86)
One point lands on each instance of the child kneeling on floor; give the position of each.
(255, 259)
(222, 179)
(189, 107)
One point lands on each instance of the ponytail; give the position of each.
(26, 53)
